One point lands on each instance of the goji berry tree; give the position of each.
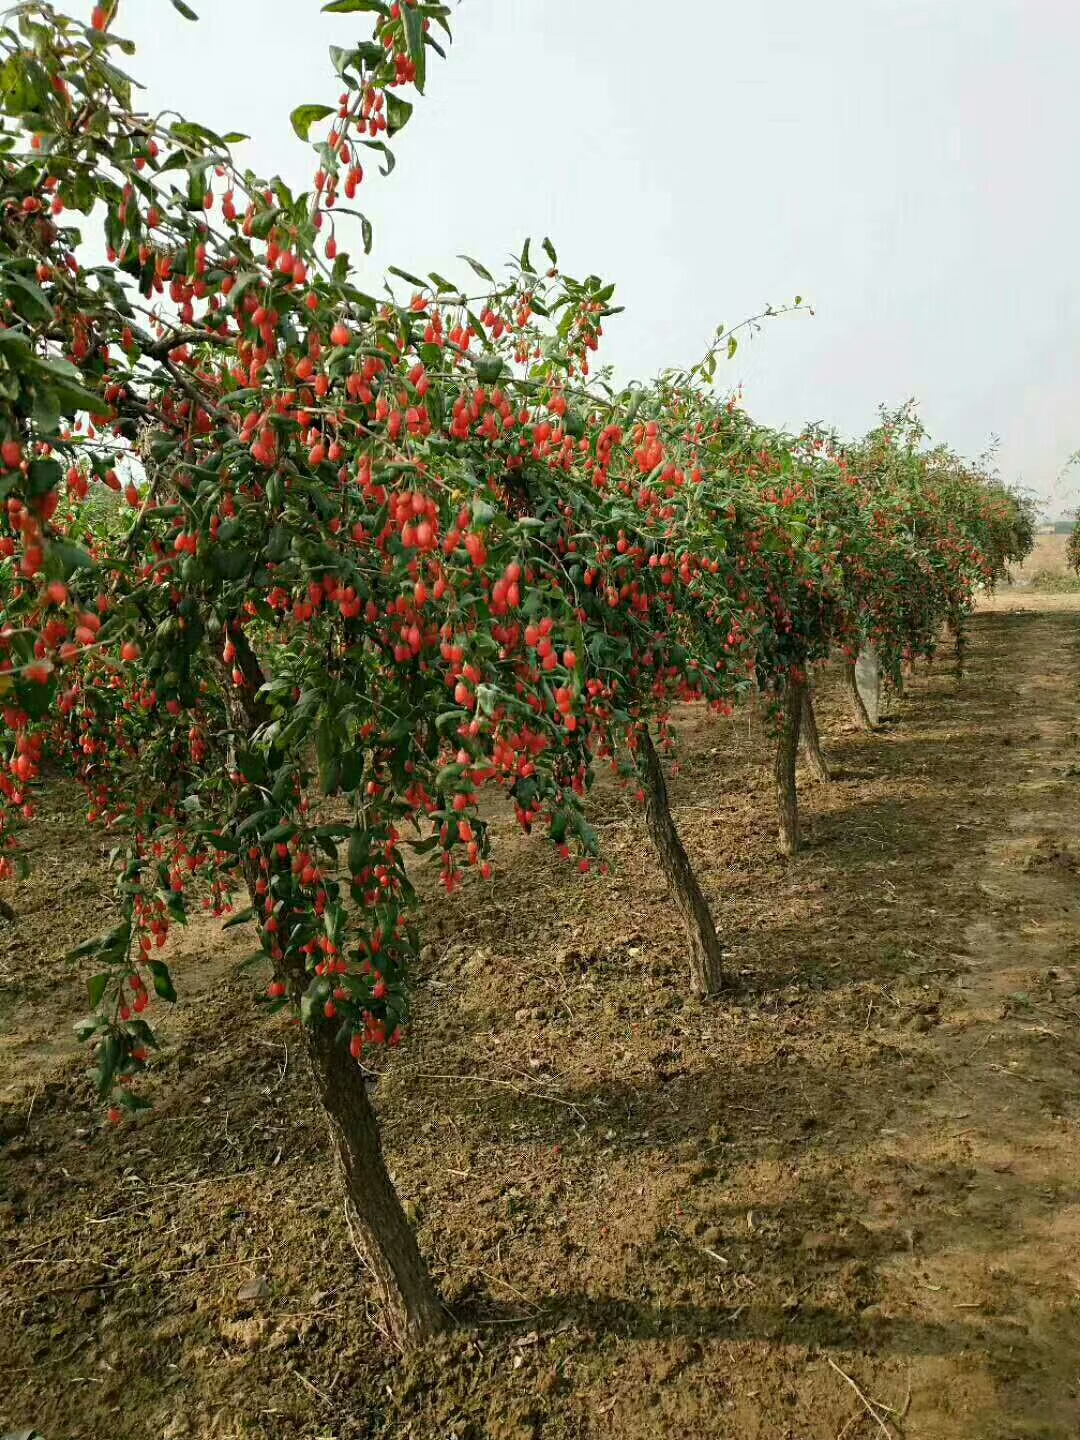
(939, 527)
(359, 557)
(229, 352)
(832, 548)
(349, 572)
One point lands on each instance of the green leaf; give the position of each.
(349, 7)
(29, 299)
(71, 557)
(46, 409)
(141, 1030)
(185, 10)
(230, 562)
(489, 369)
(130, 1100)
(162, 979)
(386, 152)
(67, 382)
(304, 116)
(86, 1027)
(43, 476)
(194, 136)
(407, 275)
(240, 918)
(478, 268)
(313, 1000)
(109, 1058)
(365, 54)
(359, 850)
(414, 38)
(115, 941)
(96, 987)
(549, 251)
(352, 768)
(525, 262)
(398, 113)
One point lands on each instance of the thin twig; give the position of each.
(314, 1389)
(160, 349)
(869, 1407)
(133, 1277)
(506, 1085)
(498, 1280)
(284, 1070)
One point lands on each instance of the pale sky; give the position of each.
(910, 166)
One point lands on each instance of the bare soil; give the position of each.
(652, 1215)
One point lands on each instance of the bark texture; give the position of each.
(413, 1308)
(812, 740)
(706, 953)
(787, 747)
(858, 709)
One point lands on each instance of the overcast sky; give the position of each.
(910, 166)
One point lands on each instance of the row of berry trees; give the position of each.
(290, 573)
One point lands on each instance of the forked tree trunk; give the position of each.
(706, 953)
(787, 747)
(413, 1308)
(811, 739)
(858, 709)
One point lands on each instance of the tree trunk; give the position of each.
(959, 634)
(706, 953)
(787, 747)
(858, 709)
(413, 1307)
(811, 739)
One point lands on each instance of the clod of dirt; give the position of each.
(254, 1290)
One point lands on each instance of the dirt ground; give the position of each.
(855, 1177)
